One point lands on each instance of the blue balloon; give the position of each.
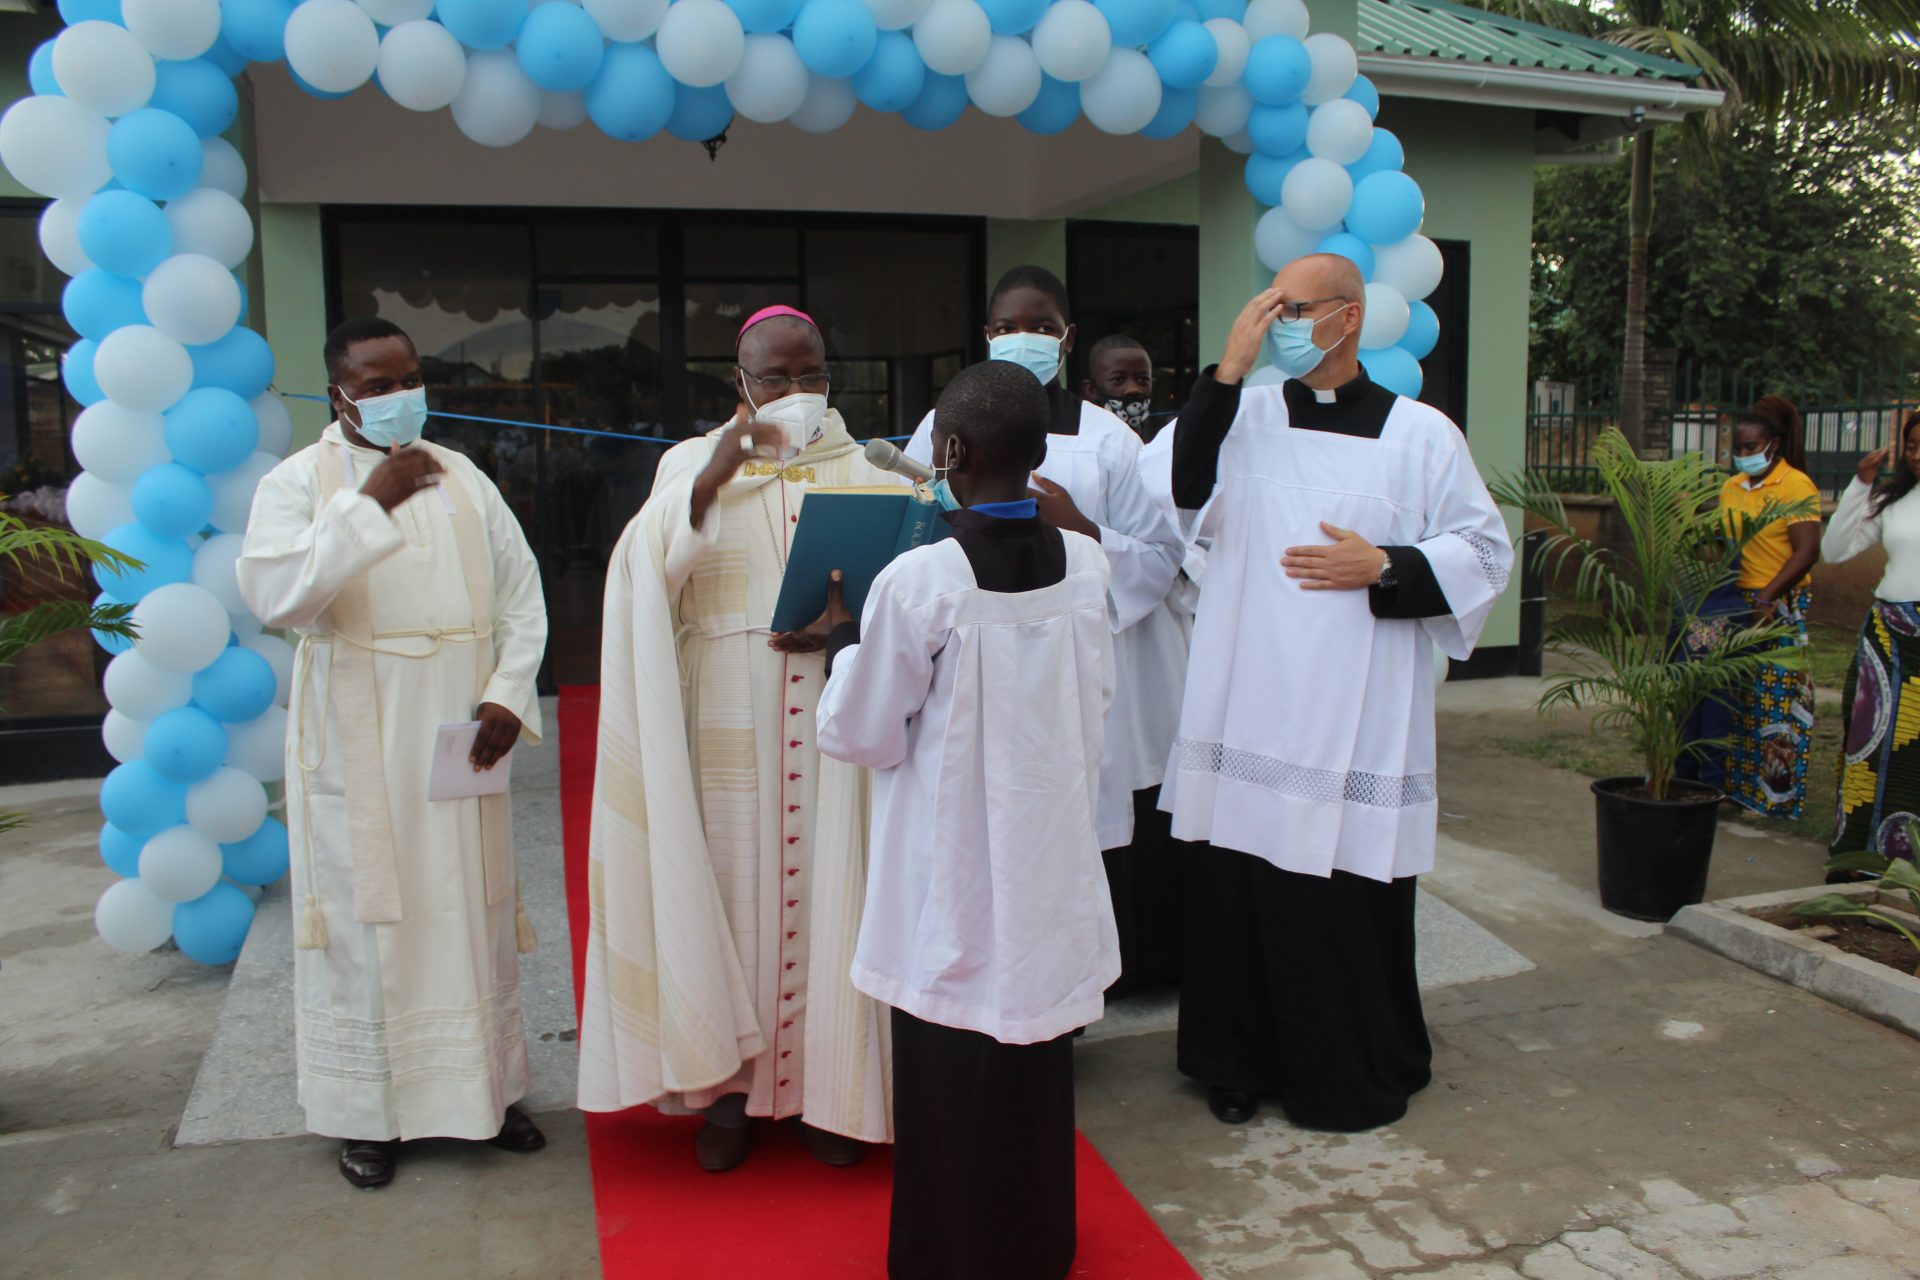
(213, 929)
(241, 362)
(1014, 17)
(632, 97)
(1367, 94)
(1057, 107)
(172, 500)
(1186, 11)
(1395, 369)
(246, 299)
(1232, 10)
(120, 850)
(1265, 173)
(224, 56)
(894, 75)
(835, 37)
(74, 12)
(125, 233)
(212, 430)
(942, 100)
(1423, 330)
(163, 561)
(1136, 22)
(236, 687)
(1175, 113)
(698, 114)
(1278, 130)
(105, 639)
(1277, 70)
(136, 799)
(765, 16)
(155, 153)
(257, 29)
(185, 744)
(483, 24)
(259, 859)
(560, 47)
(76, 370)
(1387, 207)
(40, 76)
(199, 93)
(1382, 154)
(1350, 247)
(1184, 55)
(97, 302)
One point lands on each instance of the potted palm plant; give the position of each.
(1645, 651)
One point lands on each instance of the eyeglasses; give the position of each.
(814, 384)
(1294, 310)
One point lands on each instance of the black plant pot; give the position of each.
(1653, 853)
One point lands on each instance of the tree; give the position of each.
(1805, 60)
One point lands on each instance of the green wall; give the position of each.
(294, 310)
(1014, 242)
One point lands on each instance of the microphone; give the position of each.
(884, 455)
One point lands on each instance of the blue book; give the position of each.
(857, 530)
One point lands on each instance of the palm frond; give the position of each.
(21, 542)
(21, 631)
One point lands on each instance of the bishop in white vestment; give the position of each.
(417, 602)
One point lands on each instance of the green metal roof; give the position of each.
(1454, 33)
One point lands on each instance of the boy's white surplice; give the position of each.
(409, 1027)
(1306, 736)
(983, 715)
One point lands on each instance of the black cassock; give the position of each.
(1298, 987)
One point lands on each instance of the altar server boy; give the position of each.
(976, 687)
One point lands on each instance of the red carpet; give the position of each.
(780, 1213)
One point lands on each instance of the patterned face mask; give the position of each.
(1131, 412)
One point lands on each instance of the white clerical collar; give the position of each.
(1325, 395)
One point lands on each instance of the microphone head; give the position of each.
(882, 454)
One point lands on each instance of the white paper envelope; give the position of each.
(453, 776)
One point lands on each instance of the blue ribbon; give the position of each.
(539, 426)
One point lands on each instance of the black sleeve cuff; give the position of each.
(1416, 592)
(1203, 427)
(843, 635)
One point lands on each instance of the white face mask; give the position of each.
(800, 416)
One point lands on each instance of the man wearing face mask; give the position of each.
(418, 604)
(1120, 380)
(1351, 534)
(728, 857)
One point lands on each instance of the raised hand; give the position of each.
(1248, 333)
(1057, 509)
(1870, 465)
(401, 476)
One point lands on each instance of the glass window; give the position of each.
(1143, 281)
(733, 253)
(597, 249)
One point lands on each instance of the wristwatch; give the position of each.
(1386, 578)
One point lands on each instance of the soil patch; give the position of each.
(1851, 934)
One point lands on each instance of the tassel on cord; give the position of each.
(524, 936)
(311, 933)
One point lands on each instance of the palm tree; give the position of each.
(1777, 59)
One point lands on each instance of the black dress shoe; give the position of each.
(518, 1134)
(832, 1149)
(719, 1148)
(367, 1164)
(1230, 1106)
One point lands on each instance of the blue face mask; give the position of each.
(1037, 353)
(396, 419)
(1752, 464)
(1290, 345)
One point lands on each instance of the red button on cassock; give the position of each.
(793, 839)
(795, 679)
(793, 871)
(787, 996)
(785, 1083)
(793, 777)
(794, 742)
(793, 711)
(793, 902)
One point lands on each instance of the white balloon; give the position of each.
(143, 368)
(627, 20)
(118, 444)
(1413, 266)
(245, 626)
(102, 69)
(125, 737)
(222, 168)
(771, 81)
(174, 29)
(210, 222)
(192, 298)
(422, 65)
(131, 919)
(97, 507)
(227, 805)
(953, 36)
(1123, 95)
(233, 492)
(60, 236)
(391, 13)
(1276, 18)
(1222, 110)
(700, 42)
(279, 655)
(1007, 80)
(179, 865)
(1234, 45)
(1241, 142)
(829, 104)
(563, 110)
(1385, 319)
(141, 691)
(55, 146)
(1316, 193)
(498, 105)
(213, 571)
(1334, 67)
(259, 747)
(182, 627)
(276, 424)
(1278, 239)
(1339, 131)
(332, 45)
(1072, 40)
(897, 15)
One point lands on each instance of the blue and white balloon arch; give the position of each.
(123, 132)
